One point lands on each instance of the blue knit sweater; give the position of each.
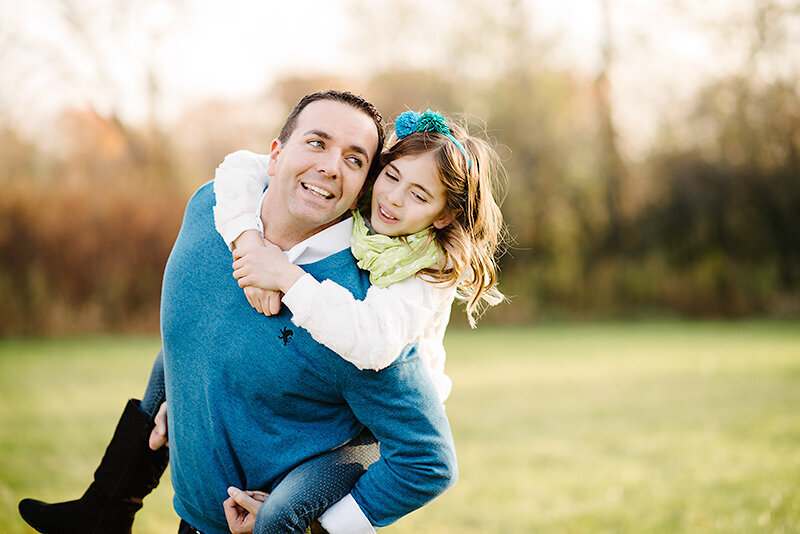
(250, 396)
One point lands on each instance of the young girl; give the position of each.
(427, 235)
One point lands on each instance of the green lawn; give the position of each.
(651, 427)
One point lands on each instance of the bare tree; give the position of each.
(77, 46)
(612, 167)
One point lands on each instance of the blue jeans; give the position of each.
(308, 489)
(313, 486)
(155, 394)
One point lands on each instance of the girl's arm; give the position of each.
(368, 333)
(238, 185)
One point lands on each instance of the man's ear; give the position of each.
(274, 150)
(442, 221)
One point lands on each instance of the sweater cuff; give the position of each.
(300, 298)
(346, 517)
(233, 228)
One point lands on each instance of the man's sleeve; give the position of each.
(400, 406)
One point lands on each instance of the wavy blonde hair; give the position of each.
(472, 242)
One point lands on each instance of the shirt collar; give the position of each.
(319, 246)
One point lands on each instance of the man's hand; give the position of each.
(241, 509)
(158, 437)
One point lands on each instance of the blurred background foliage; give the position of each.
(702, 219)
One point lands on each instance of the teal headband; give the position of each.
(409, 122)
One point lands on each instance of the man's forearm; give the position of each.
(401, 407)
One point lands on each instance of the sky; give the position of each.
(204, 49)
(200, 49)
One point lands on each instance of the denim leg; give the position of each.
(310, 488)
(156, 392)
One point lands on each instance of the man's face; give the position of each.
(318, 173)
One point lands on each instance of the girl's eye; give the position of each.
(419, 197)
(356, 161)
(391, 176)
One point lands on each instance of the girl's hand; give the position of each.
(266, 302)
(248, 240)
(241, 509)
(265, 267)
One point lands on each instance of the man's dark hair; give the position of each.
(344, 97)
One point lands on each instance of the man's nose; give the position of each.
(329, 164)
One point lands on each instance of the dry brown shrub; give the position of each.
(83, 259)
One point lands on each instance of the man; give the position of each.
(249, 397)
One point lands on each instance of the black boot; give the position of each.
(128, 471)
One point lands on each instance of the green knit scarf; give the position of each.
(390, 259)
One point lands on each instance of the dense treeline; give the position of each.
(80, 260)
(84, 237)
(704, 226)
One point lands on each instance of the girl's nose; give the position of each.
(395, 196)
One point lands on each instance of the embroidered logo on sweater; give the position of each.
(286, 336)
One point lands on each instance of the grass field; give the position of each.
(603, 428)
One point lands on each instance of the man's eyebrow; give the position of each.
(360, 150)
(355, 148)
(318, 133)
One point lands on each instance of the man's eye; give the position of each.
(356, 161)
(317, 143)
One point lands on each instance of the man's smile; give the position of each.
(317, 191)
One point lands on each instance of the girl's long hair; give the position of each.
(473, 241)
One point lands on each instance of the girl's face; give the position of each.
(408, 197)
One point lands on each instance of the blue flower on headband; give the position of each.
(406, 123)
(431, 121)
(409, 122)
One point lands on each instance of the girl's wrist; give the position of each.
(248, 239)
(290, 275)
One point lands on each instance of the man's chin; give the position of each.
(316, 220)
